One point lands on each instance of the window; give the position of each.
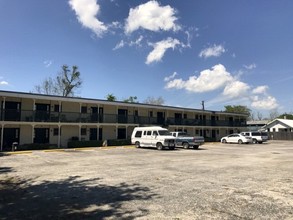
(83, 109)
(83, 131)
(138, 134)
(56, 132)
(149, 132)
(57, 108)
(155, 133)
(151, 114)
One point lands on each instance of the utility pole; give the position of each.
(202, 103)
(202, 130)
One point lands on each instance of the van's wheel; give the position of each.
(254, 141)
(159, 146)
(240, 141)
(137, 144)
(224, 141)
(185, 145)
(195, 147)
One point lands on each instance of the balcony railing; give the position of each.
(74, 117)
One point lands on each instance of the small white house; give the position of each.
(279, 125)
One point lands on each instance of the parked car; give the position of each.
(184, 140)
(152, 137)
(236, 138)
(257, 136)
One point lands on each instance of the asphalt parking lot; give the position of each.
(219, 181)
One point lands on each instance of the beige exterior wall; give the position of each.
(67, 132)
(26, 134)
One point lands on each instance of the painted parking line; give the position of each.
(67, 150)
(18, 152)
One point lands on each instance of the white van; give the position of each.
(152, 137)
(257, 136)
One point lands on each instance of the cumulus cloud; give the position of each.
(236, 89)
(213, 51)
(86, 12)
(260, 90)
(151, 16)
(160, 48)
(3, 83)
(266, 102)
(232, 88)
(208, 80)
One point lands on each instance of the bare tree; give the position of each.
(259, 116)
(154, 101)
(274, 114)
(65, 83)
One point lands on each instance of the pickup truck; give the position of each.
(186, 141)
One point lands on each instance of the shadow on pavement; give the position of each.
(71, 198)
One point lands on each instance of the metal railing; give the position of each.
(75, 117)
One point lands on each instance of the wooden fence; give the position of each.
(288, 136)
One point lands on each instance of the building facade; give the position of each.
(28, 118)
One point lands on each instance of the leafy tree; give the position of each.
(111, 97)
(154, 101)
(65, 83)
(237, 109)
(286, 115)
(131, 99)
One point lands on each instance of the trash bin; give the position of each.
(14, 146)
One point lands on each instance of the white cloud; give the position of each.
(3, 83)
(168, 78)
(119, 45)
(233, 89)
(236, 89)
(47, 63)
(122, 43)
(266, 102)
(250, 67)
(151, 16)
(213, 51)
(208, 80)
(86, 11)
(260, 90)
(160, 48)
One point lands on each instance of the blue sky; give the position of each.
(223, 52)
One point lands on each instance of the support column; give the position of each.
(59, 135)
(3, 108)
(33, 133)
(2, 132)
(79, 132)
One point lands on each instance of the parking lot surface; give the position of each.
(218, 181)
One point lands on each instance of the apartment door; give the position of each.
(42, 112)
(160, 118)
(122, 115)
(41, 135)
(12, 111)
(178, 118)
(94, 116)
(93, 134)
(121, 133)
(101, 114)
(10, 135)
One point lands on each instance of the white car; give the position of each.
(236, 138)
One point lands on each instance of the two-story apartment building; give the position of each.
(35, 118)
